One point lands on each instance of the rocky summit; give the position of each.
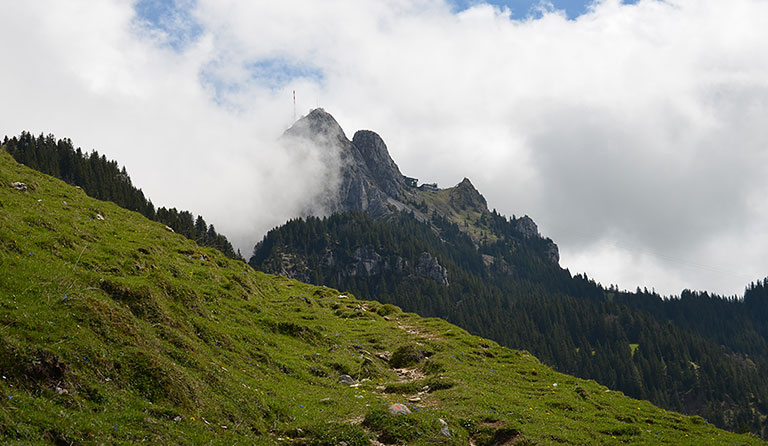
(370, 181)
(368, 178)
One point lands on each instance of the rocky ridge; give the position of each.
(368, 178)
(370, 181)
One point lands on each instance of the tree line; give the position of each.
(105, 180)
(697, 353)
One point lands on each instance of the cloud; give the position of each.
(633, 134)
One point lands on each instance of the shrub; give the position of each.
(405, 356)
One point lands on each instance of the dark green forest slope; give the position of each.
(114, 330)
(104, 180)
(697, 353)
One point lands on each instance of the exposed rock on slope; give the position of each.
(367, 178)
(430, 268)
(465, 196)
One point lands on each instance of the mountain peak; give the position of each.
(317, 124)
(465, 195)
(376, 156)
(465, 183)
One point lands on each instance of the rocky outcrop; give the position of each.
(527, 227)
(383, 170)
(430, 268)
(366, 262)
(465, 196)
(552, 253)
(289, 265)
(367, 179)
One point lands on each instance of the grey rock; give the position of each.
(346, 379)
(365, 176)
(398, 409)
(527, 227)
(382, 168)
(367, 262)
(445, 431)
(552, 253)
(430, 268)
(465, 196)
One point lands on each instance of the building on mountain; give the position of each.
(410, 181)
(429, 186)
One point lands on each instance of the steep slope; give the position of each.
(104, 180)
(114, 330)
(440, 252)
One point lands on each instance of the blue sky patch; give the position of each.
(172, 18)
(276, 73)
(269, 73)
(521, 9)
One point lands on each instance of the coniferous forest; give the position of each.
(105, 180)
(697, 353)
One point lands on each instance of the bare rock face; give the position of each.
(367, 262)
(552, 253)
(430, 268)
(465, 196)
(527, 227)
(383, 170)
(368, 180)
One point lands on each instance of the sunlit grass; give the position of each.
(115, 330)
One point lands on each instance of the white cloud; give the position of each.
(633, 135)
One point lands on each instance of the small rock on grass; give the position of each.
(346, 379)
(398, 409)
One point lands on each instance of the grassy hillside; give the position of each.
(115, 330)
(447, 203)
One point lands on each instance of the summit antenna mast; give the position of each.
(294, 105)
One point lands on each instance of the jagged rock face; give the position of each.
(465, 196)
(430, 268)
(383, 169)
(552, 253)
(290, 265)
(317, 125)
(527, 227)
(364, 262)
(367, 262)
(368, 178)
